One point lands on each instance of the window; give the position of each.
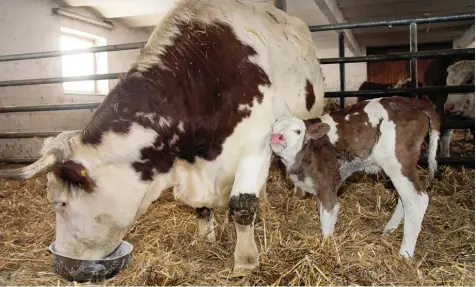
(83, 64)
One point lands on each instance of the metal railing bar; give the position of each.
(457, 124)
(400, 22)
(65, 107)
(399, 56)
(467, 161)
(24, 135)
(407, 91)
(50, 54)
(139, 45)
(57, 80)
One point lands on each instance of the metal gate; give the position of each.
(412, 56)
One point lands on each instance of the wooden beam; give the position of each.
(466, 39)
(334, 15)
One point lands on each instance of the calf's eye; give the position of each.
(298, 132)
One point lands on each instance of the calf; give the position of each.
(379, 134)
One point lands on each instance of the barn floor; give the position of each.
(292, 250)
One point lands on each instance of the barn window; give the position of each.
(83, 64)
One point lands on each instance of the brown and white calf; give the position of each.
(379, 134)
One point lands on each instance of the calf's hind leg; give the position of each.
(414, 202)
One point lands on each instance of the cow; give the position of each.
(458, 105)
(436, 75)
(193, 113)
(379, 134)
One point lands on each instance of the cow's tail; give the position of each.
(434, 133)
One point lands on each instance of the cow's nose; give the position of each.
(449, 107)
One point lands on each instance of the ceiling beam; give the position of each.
(466, 39)
(334, 15)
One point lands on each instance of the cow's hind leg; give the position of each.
(414, 202)
(445, 141)
(206, 225)
(250, 177)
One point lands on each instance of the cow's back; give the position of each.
(210, 82)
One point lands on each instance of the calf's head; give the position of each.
(460, 73)
(290, 135)
(95, 203)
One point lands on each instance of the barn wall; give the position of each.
(355, 73)
(28, 26)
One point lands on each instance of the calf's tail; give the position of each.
(434, 133)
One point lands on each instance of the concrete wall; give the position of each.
(29, 26)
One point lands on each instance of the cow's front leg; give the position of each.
(244, 201)
(206, 225)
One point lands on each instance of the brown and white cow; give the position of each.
(438, 74)
(194, 112)
(379, 134)
(458, 105)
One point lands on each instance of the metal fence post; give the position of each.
(342, 68)
(414, 49)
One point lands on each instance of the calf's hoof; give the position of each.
(299, 192)
(405, 254)
(241, 270)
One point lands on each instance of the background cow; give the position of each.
(458, 105)
(194, 112)
(436, 75)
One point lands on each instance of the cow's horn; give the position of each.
(38, 168)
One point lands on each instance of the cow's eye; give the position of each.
(298, 132)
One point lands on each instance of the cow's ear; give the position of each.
(74, 173)
(317, 131)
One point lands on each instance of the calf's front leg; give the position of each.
(250, 177)
(328, 211)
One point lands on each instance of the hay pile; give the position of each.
(292, 251)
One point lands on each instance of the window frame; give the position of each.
(95, 41)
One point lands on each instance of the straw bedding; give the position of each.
(292, 250)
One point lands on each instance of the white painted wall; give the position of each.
(29, 26)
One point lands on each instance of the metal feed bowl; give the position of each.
(80, 270)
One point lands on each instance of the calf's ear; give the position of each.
(317, 131)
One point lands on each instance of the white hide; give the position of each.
(121, 196)
(328, 218)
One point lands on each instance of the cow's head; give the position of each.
(460, 73)
(96, 203)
